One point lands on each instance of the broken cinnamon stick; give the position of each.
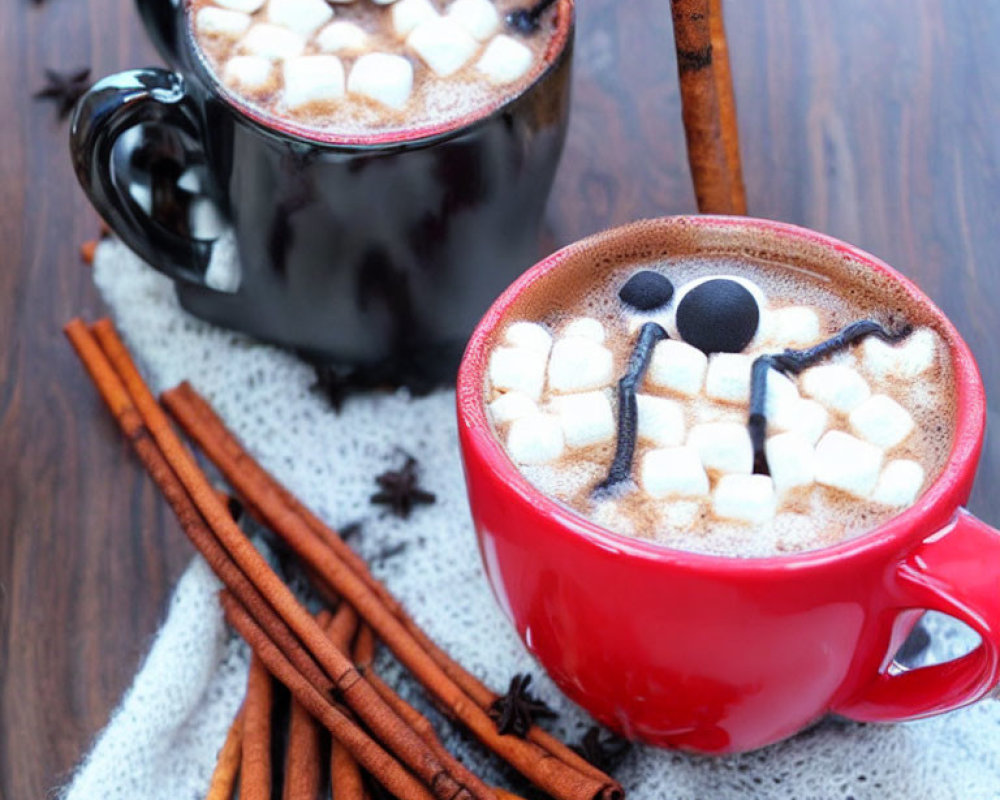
(255, 768)
(707, 105)
(346, 782)
(227, 766)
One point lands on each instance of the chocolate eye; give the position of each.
(646, 291)
(718, 316)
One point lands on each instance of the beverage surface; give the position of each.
(361, 67)
(848, 439)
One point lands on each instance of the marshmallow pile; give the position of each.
(551, 392)
(302, 51)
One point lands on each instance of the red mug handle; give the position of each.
(954, 572)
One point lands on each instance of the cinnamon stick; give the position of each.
(708, 110)
(385, 724)
(335, 562)
(345, 774)
(227, 766)
(255, 768)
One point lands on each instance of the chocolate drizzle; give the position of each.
(525, 20)
(795, 361)
(628, 410)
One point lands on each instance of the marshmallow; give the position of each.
(806, 417)
(248, 72)
(587, 327)
(790, 459)
(530, 335)
(246, 6)
(900, 483)
(782, 399)
(677, 366)
(341, 37)
(219, 22)
(311, 79)
(578, 364)
(273, 42)
(535, 439)
(608, 514)
(518, 369)
(585, 418)
(661, 421)
(846, 463)
(905, 359)
(407, 14)
(510, 406)
(793, 326)
(385, 78)
(673, 471)
(728, 377)
(302, 16)
(680, 515)
(504, 60)
(479, 18)
(723, 446)
(882, 421)
(837, 386)
(442, 44)
(747, 498)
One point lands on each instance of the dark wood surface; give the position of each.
(878, 123)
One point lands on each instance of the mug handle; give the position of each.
(951, 572)
(113, 106)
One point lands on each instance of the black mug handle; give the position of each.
(112, 107)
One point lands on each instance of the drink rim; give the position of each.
(935, 504)
(414, 137)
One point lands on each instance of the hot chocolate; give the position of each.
(364, 67)
(724, 403)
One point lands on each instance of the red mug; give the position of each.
(720, 655)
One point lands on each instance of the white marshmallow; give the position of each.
(728, 377)
(248, 72)
(510, 406)
(518, 369)
(504, 60)
(807, 418)
(302, 16)
(680, 515)
(530, 335)
(905, 359)
(661, 421)
(246, 6)
(273, 42)
(673, 471)
(837, 386)
(535, 439)
(608, 514)
(341, 37)
(443, 45)
(587, 327)
(585, 418)
(846, 463)
(219, 22)
(311, 79)
(385, 78)
(479, 18)
(677, 366)
(793, 326)
(782, 399)
(407, 14)
(578, 364)
(791, 460)
(747, 498)
(723, 446)
(882, 421)
(900, 483)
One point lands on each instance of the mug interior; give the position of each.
(565, 10)
(761, 240)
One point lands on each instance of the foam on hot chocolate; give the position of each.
(851, 441)
(401, 65)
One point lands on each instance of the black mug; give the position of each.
(376, 258)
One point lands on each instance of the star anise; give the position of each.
(64, 89)
(399, 489)
(517, 710)
(604, 754)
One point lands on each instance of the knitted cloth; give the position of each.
(162, 741)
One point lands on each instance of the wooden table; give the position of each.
(878, 123)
